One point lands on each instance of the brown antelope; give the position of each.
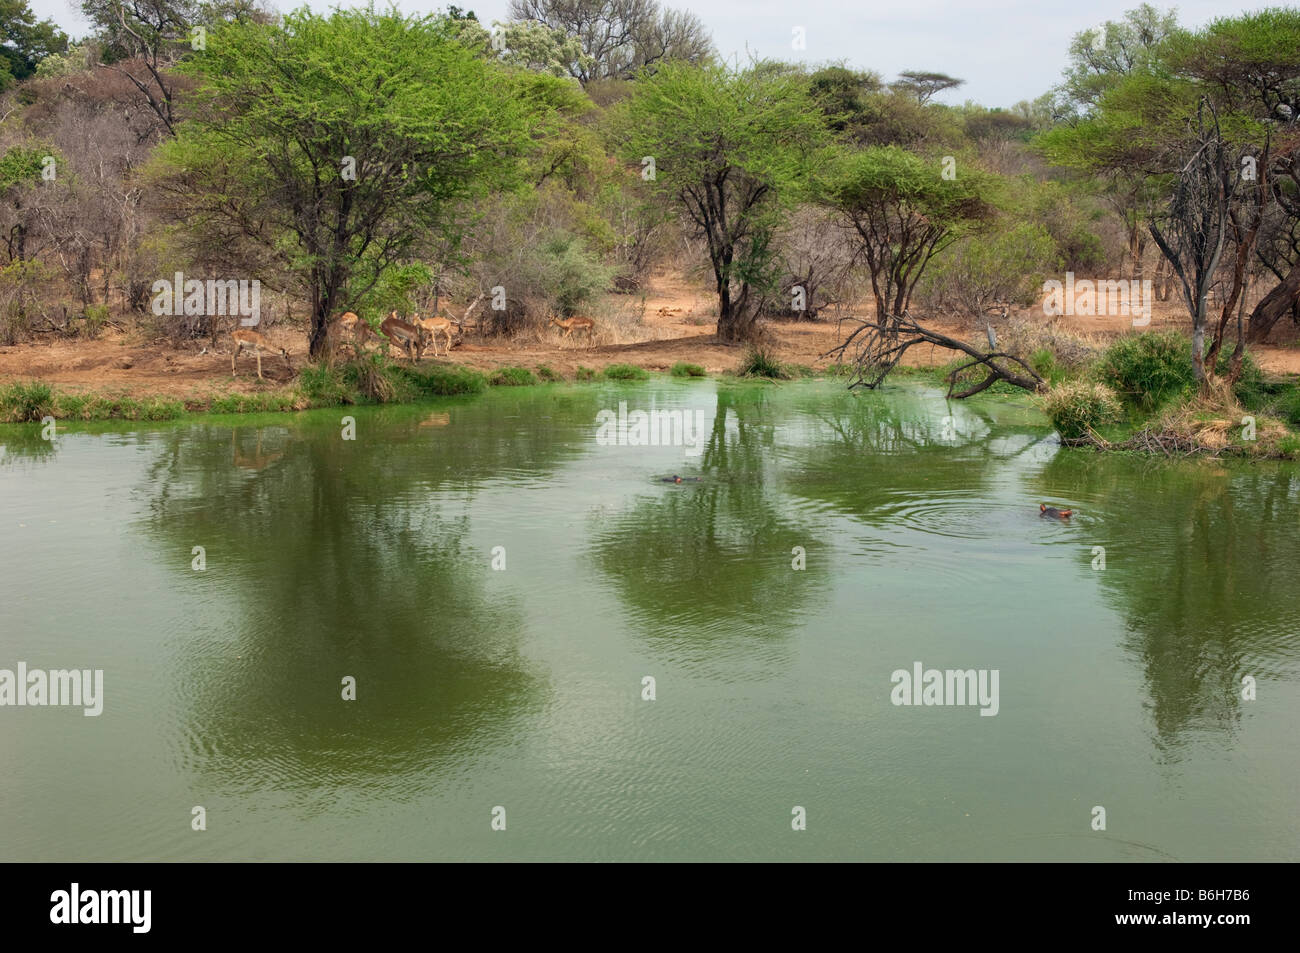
(407, 336)
(349, 329)
(247, 339)
(574, 324)
(435, 326)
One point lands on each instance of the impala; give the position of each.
(406, 335)
(349, 329)
(246, 340)
(574, 324)
(436, 326)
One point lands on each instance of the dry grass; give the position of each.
(1214, 424)
(1023, 338)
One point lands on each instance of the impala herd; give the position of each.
(409, 336)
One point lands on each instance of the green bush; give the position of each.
(511, 377)
(1078, 406)
(1289, 446)
(760, 361)
(1148, 370)
(584, 374)
(626, 372)
(682, 369)
(548, 373)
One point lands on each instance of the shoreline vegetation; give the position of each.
(1138, 394)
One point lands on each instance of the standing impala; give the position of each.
(249, 340)
(406, 335)
(350, 329)
(435, 326)
(574, 324)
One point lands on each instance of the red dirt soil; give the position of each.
(677, 325)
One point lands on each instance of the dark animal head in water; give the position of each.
(1053, 512)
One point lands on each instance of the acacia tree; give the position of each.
(339, 143)
(903, 210)
(619, 37)
(1249, 67)
(733, 148)
(1099, 142)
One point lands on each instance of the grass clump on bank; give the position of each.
(1078, 408)
(548, 374)
(584, 374)
(761, 361)
(23, 402)
(626, 372)
(683, 369)
(32, 401)
(511, 377)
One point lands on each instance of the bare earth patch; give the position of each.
(676, 324)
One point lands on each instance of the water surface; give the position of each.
(522, 687)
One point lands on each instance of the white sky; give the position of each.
(1006, 50)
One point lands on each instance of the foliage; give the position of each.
(626, 372)
(1076, 407)
(1147, 370)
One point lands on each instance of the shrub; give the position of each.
(760, 361)
(977, 273)
(584, 374)
(548, 373)
(1079, 406)
(682, 369)
(1149, 369)
(626, 372)
(511, 377)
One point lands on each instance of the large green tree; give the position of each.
(340, 143)
(732, 147)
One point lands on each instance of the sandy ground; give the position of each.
(677, 325)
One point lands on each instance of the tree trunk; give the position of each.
(1271, 308)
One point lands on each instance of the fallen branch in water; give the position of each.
(877, 347)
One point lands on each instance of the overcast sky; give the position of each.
(1006, 50)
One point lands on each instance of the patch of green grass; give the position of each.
(584, 374)
(323, 385)
(25, 401)
(446, 381)
(760, 361)
(22, 402)
(682, 369)
(1289, 446)
(511, 377)
(264, 402)
(549, 374)
(1043, 361)
(626, 372)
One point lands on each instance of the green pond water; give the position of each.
(522, 687)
